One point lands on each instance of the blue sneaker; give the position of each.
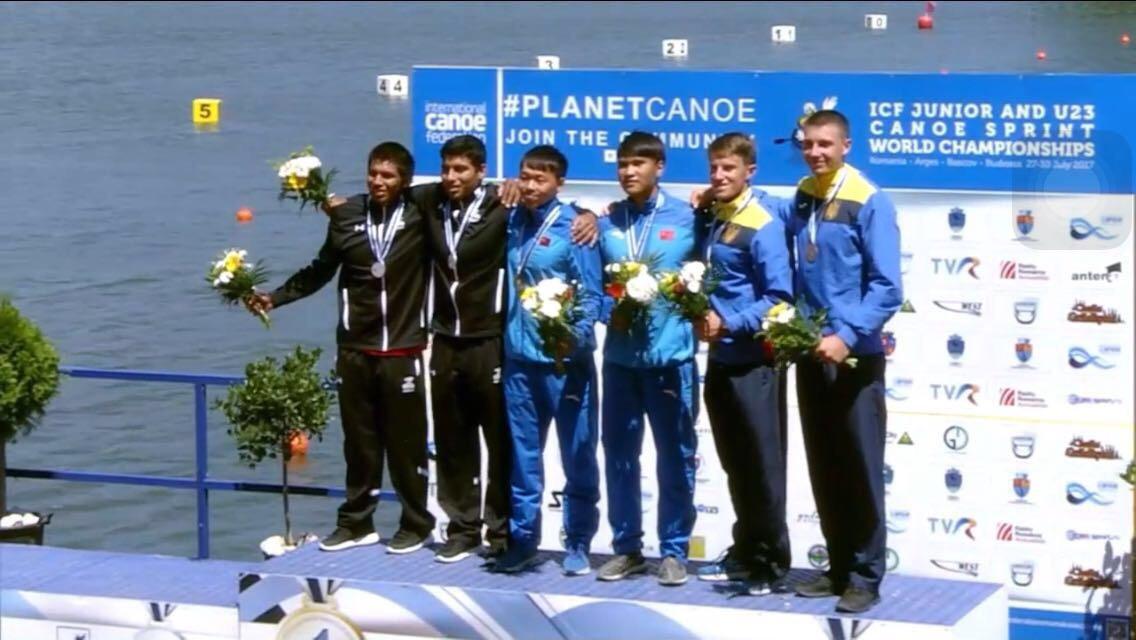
(515, 560)
(576, 563)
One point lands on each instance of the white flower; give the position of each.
(643, 287)
(692, 272)
(226, 277)
(307, 163)
(550, 309)
(216, 282)
(530, 303)
(765, 325)
(786, 316)
(550, 289)
(694, 286)
(612, 268)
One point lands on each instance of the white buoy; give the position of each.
(675, 48)
(784, 33)
(548, 62)
(393, 85)
(876, 21)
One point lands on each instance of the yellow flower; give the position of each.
(233, 261)
(777, 309)
(295, 182)
(633, 267)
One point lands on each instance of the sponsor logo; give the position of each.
(952, 526)
(707, 509)
(557, 500)
(957, 566)
(1076, 399)
(1021, 486)
(818, 556)
(906, 439)
(889, 474)
(953, 480)
(956, 438)
(1019, 398)
(1091, 578)
(445, 120)
(1021, 573)
(1009, 532)
(955, 348)
(887, 340)
(1013, 270)
(960, 306)
(1093, 314)
(907, 307)
(1023, 223)
(897, 521)
(1023, 350)
(956, 266)
(902, 389)
(1076, 536)
(1080, 357)
(905, 260)
(955, 392)
(1111, 273)
(1082, 229)
(1025, 310)
(891, 560)
(1023, 446)
(1078, 494)
(808, 518)
(956, 219)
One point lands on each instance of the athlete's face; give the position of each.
(538, 187)
(729, 176)
(384, 182)
(460, 176)
(638, 176)
(824, 147)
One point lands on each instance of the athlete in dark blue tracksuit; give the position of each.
(746, 248)
(848, 262)
(539, 247)
(650, 369)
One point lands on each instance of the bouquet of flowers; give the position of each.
(552, 303)
(791, 335)
(688, 291)
(236, 279)
(633, 288)
(302, 178)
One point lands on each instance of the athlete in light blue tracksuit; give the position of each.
(649, 368)
(539, 247)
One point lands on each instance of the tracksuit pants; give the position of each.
(669, 398)
(844, 420)
(746, 407)
(468, 398)
(382, 402)
(535, 395)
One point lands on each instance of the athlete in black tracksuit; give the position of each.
(465, 365)
(381, 335)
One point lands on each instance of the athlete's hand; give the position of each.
(701, 197)
(333, 202)
(711, 328)
(509, 192)
(832, 349)
(585, 228)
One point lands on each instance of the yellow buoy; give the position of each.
(206, 110)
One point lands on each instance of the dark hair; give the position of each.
(546, 158)
(640, 144)
(827, 116)
(467, 146)
(734, 144)
(395, 154)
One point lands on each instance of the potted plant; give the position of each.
(272, 406)
(29, 379)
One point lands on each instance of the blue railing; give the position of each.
(201, 483)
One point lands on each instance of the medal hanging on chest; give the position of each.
(381, 239)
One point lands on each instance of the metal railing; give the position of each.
(200, 483)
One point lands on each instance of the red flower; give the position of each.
(615, 290)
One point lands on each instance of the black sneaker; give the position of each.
(820, 587)
(407, 542)
(456, 550)
(343, 538)
(493, 553)
(728, 567)
(857, 600)
(622, 566)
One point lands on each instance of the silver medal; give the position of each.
(378, 269)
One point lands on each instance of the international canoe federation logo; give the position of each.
(887, 338)
(955, 347)
(808, 109)
(956, 219)
(1082, 229)
(1021, 485)
(1024, 221)
(1024, 350)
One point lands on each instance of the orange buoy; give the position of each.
(298, 443)
(1124, 39)
(925, 21)
(244, 214)
(1041, 54)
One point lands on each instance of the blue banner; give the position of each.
(1040, 134)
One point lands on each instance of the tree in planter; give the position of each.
(271, 406)
(29, 379)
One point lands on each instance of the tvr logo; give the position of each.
(951, 526)
(955, 392)
(956, 266)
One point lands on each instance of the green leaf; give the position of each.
(29, 373)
